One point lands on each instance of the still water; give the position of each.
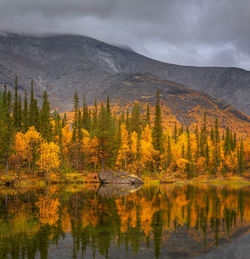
(162, 221)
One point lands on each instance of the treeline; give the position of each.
(33, 138)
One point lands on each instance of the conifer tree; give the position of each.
(128, 121)
(45, 124)
(94, 119)
(227, 142)
(169, 152)
(106, 136)
(32, 106)
(175, 133)
(148, 119)
(25, 117)
(135, 119)
(197, 139)
(64, 120)
(6, 129)
(16, 108)
(241, 164)
(157, 129)
(75, 122)
(85, 115)
(189, 165)
(108, 105)
(216, 132)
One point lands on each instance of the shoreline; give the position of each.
(82, 179)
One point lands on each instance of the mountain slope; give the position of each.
(65, 63)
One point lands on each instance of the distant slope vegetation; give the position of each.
(62, 64)
(180, 104)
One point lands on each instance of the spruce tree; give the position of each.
(148, 119)
(227, 142)
(94, 119)
(241, 164)
(169, 152)
(189, 165)
(106, 135)
(157, 129)
(75, 122)
(135, 119)
(85, 115)
(175, 133)
(32, 108)
(6, 129)
(16, 108)
(25, 115)
(108, 105)
(64, 120)
(45, 124)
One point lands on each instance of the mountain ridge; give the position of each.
(62, 64)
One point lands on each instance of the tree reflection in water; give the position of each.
(177, 220)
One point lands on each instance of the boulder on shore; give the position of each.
(118, 177)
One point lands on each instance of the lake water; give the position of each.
(165, 221)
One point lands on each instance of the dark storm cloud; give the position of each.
(193, 32)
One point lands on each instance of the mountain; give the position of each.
(62, 64)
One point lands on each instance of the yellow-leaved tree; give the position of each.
(147, 148)
(22, 152)
(33, 139)
(124, 150)
(49, 157)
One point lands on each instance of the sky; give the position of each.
(187, 32)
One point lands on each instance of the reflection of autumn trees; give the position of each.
(48, 210)
(32, 220)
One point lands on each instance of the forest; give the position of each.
(36, 140)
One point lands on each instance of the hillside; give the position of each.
(65, 63)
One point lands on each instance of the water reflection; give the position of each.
(90, 222)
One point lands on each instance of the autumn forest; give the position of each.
(34, 139)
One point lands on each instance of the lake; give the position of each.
(154, 221)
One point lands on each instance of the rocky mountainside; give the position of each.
(65, 63)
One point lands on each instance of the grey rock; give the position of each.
(118, 177)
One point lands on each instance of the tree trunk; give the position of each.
(102, 164)
(7, 166)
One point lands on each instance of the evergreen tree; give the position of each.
(128, 121)
(6, 129)
(108, 105)
(45, 124)
(169, 152)
(75, 122)
(157, 129)
(32, 106)
(197, 138)
(94, 119)
(64, 120)
(106, 136)
(148, 119)
(25, 117)
(227, 142)
(136, 119)
(216, 132)
(85, 115)
(16, 108)
(241, 164)
(175, 133)
(189, 165)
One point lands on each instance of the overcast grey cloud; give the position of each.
(189, 32)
